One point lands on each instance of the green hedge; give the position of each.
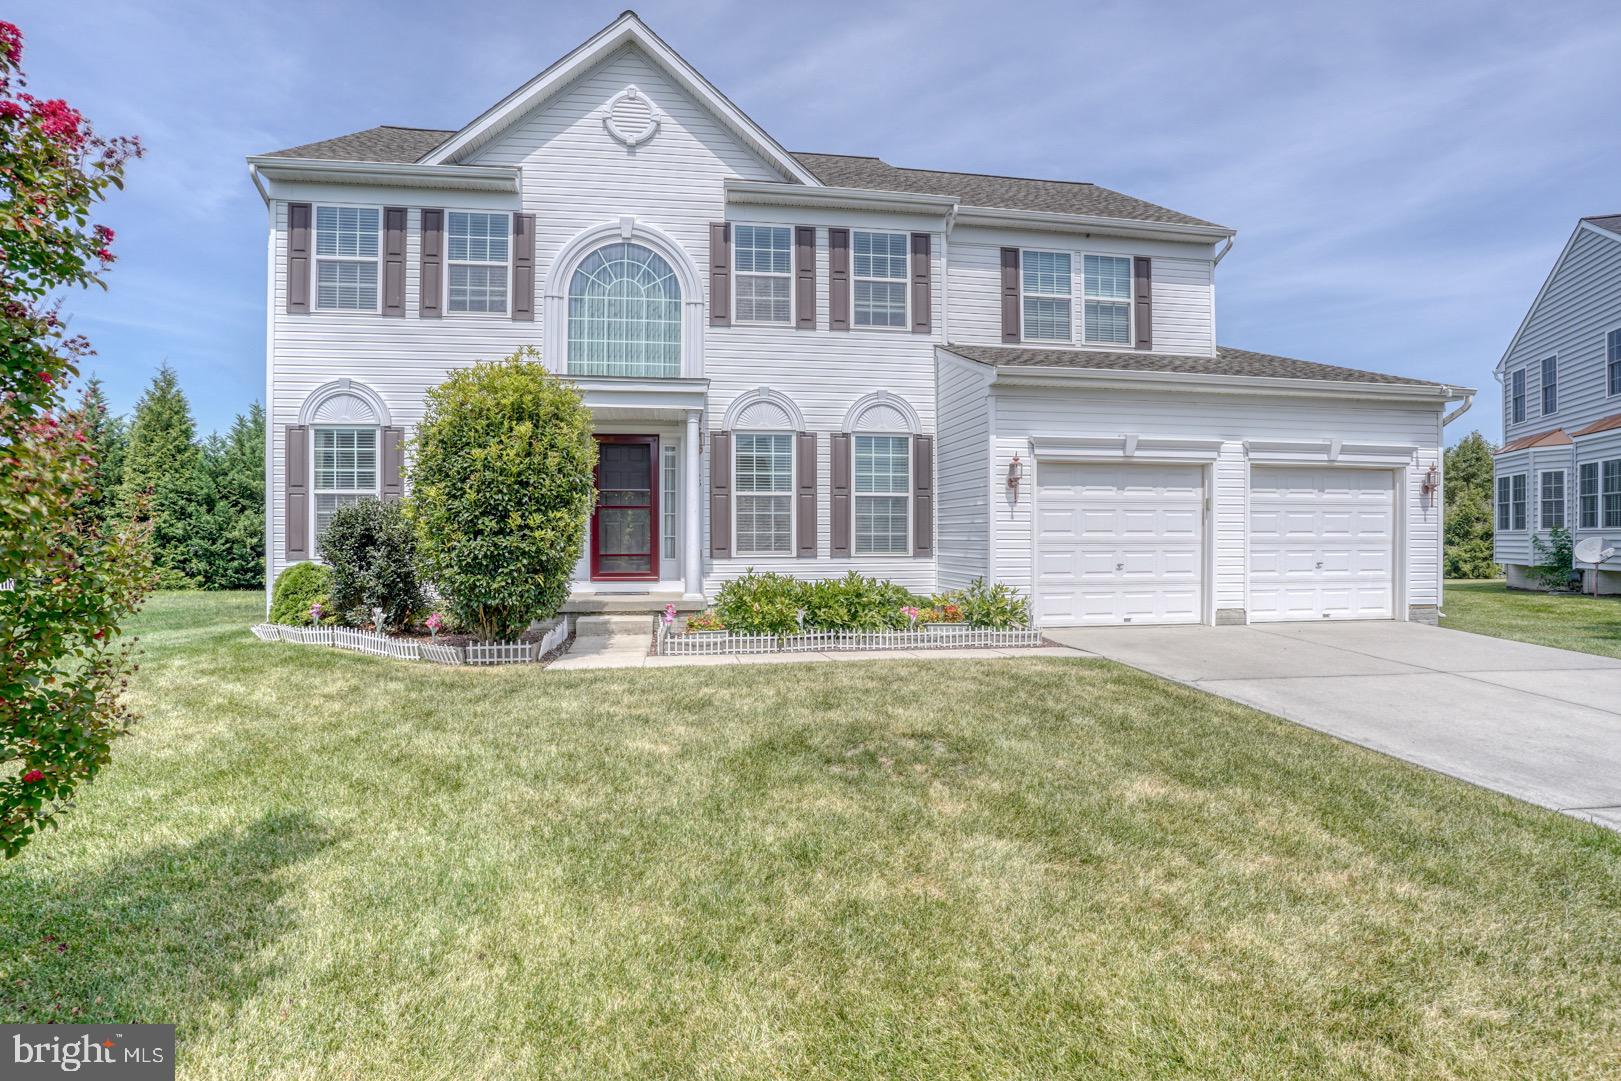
(296, 589)
(772, 603)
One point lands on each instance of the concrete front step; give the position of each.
(648, 603)
(627, 627)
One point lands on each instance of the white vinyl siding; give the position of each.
(1107, 289)
(346, 245)
(762, 263)
(883, 494)
(879, 276)
(624, 314)
(1551, 499)
(1587, 502)
(1516, 411)
(345, 471)
(1511, 502)
(479, 246)
(763, 482)
(1047, 285)
(1550, 385)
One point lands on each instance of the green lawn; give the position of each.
(323, 865)
(1569, 621)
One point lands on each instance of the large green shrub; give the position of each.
(857, 603)
(1468, 534)
(760, 604)
(501, 490)
(296, 589)
(371, 549)
(1556, 558)
(985, 604)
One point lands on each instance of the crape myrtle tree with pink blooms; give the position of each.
(68, 583)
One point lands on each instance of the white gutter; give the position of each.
(1468, 401)
(1224, 384)
(1089, 223)
(497, 178)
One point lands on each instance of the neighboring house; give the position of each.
(816, 363)
(1561, 459)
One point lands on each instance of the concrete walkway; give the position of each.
(1540, 724)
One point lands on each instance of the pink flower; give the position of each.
(435, 623)
(669, 614)
(32, 776)
(11, 42)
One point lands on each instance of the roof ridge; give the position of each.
(412, 127)
(952, 172)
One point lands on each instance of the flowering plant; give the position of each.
(912, 613)
(316, 612)
(669, 614)
(435, 623)
(705, 621)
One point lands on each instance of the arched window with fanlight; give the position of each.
(624, 314)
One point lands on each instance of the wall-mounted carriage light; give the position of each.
(1432, 481)
(1015, 475)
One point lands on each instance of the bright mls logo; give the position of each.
(127, 1052)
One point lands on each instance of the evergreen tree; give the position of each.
(108, 436)
(228, 547)
(1468, 534)
(1469, 465)
(163, 460)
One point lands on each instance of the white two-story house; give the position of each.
(813, 363)
(1560, 464)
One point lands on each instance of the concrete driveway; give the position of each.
(1537, 723)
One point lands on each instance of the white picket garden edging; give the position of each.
(408, 649)
(951, 636)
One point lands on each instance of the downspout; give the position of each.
(1469, 400)
(1223, 253)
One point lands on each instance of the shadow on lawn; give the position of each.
(179, 934)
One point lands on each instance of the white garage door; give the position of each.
(1119, 543)
(1322, 543)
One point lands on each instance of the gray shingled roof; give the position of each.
(1227, 361)
(1612, 222)
(387, 143)
(997, 192)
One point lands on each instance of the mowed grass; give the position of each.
(322, 865)
(1564, 620)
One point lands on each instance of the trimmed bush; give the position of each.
(296, 588)
(371, 549)
(501, 489)
(857, 603)
(760, 604)
(983, 604)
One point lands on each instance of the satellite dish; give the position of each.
(1592, 550)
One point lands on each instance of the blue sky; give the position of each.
(1401, 175)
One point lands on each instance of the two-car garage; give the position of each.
(1129, 543)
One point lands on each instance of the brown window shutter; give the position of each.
(432, 305)
(805, 277)
(838, 279)
(298, 257)
(1012, 287)
(922, 271)
(720, 273)
(805, 494)
(393, 463)
(296, 490)
(1142, 299)
(720, 495)
(523, 267)
(839, 542)
(394, 261)
(922, 495)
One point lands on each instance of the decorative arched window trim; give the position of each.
(555, 296)
(793, 419)
(855, 419)
(339, 388)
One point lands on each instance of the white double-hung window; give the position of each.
(1587, 496)
(1511, 502)
(1047, 286)
(1107, 289)
(763, 483)
(762, 261)
(878, 274)
(883, 494)
(345, 468)
(1612, 494)
(479, 247)
(346, 242)
(1551, 499)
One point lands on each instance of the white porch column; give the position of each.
(692, 514)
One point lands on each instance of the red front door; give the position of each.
(625, 525)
